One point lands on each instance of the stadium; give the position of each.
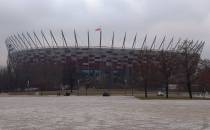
(36, 62)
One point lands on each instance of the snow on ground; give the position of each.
(102, 113)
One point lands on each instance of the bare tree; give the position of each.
(167, 63)
(144, 70)
(166, 68)
(191, 53)
(203, 74)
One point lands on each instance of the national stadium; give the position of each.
(42, 61)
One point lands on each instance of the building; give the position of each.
(48, 66)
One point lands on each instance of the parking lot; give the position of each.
(102, 113)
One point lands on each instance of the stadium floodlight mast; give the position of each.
(177, 44)
(11, 41)
(75, 38)
(153, 43)
(22, 41)
(112, 40)
(28, 34)
(134, 41)
(15, 42)
(193, 47)
(44, 39)
(124, 39)
(170, 43)
(16, 39)
(162, 43)
(88, 34)
(27, 41)
(53, 39)
(196, 48)
(64, 39)
(145, 39)
(182, 46)
(189, 45)
(200, 47)
(100, 42)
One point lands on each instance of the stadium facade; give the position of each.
(33, 59)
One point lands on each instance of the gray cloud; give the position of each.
(180, 18)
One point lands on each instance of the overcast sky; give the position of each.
(179, 18)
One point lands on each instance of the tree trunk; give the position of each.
(188, 74)
(71, 88)
(86, 91)
(145, 88)
(189, 89)
(132, 91)
(77, 90)
(189, 86)
(188, 83)
(167, 88)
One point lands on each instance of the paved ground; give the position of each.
(102, 113)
